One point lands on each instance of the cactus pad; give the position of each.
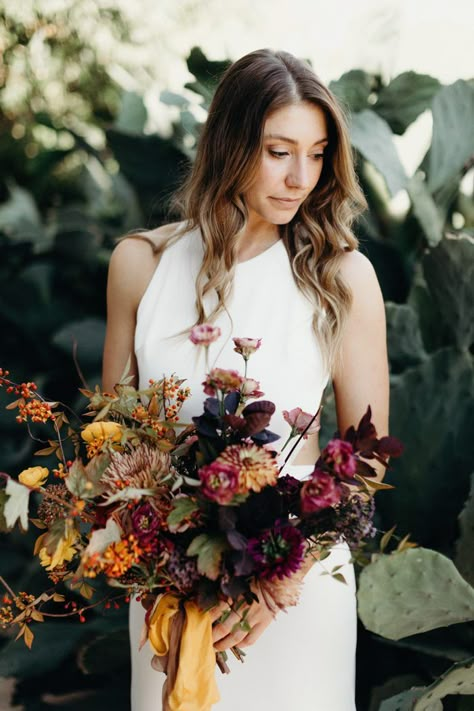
(407, 593)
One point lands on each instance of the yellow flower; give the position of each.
(33, 476)
(64, 551)
(102, 430)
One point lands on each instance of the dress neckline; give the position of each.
(266, 251)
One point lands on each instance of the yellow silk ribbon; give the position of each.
(195, 687)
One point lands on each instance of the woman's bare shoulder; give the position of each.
(359, 274)
(134, 260)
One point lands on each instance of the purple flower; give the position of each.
(145, 524)
(339, 455)
(219, 481)
(279, 552)
(319, 492)
(204, 334)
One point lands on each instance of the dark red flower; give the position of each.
(339, 455)
(279, 552)
(219, 481)
(145, 524)
(320, 492)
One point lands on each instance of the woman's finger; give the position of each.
(216, 611)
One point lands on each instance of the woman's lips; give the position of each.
(286, 203)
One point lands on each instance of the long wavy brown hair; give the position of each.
(227, 159)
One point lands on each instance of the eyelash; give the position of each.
(281, 154)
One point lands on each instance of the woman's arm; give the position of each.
(362, 377)
(131, 267)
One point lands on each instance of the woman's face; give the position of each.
(292, 160)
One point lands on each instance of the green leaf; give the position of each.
(453, 134)
(20, 219)
(207, 74)
(425, 210)
(465, 544)
(372, 137)
(209, 550)
(413, 591)
(182, 508)
(405, 98)
(16, 506)
(132, 113)
(353, 89)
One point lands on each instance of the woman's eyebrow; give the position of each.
(285, 139)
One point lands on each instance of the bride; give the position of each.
(264, 250)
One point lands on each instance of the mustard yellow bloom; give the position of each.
(64, 551)
(33, 476)
(102, 430)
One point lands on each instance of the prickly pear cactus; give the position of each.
(459, 679)
(449, 273)
(406, 702)
(465, 544)
(413, 591)
(405, 345)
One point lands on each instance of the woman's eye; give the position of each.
(318, 156)
(277, 154)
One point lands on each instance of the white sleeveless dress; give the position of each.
(305, 659)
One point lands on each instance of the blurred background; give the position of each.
(101, 103)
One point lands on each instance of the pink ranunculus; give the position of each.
(251, 388)
(319, 492)
(247, 346)
(204, 334)
(225, 381)
(339, 455)
(219, 481)
(299, 421)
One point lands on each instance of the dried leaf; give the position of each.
(38, 523)
(46, 451)
(13, 405)
(406, 543)
(28, 637)
(386, 538)
(86, 590)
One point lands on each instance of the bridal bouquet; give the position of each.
(185, 515)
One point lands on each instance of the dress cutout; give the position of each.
(305, 659)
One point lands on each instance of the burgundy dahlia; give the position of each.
(339, 455)
(319, 492)
(219, 481)
(145, 524)
(279, 552)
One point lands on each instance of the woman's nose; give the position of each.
(298, 175)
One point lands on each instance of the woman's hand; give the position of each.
(258, 616)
